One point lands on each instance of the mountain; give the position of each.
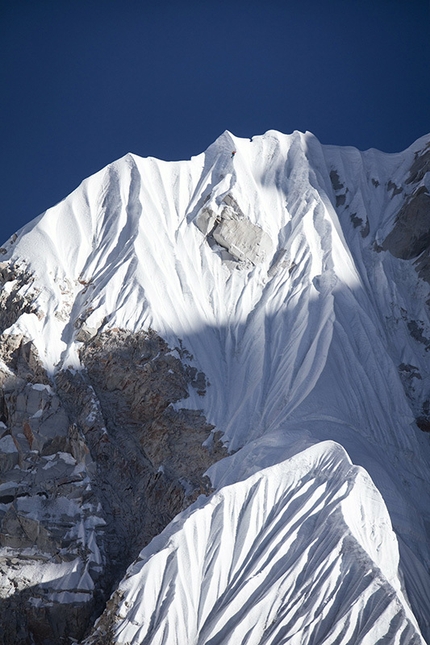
(216, 402)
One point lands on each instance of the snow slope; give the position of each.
(301, 348)
(302, 552)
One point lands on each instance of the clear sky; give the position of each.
(83, 82)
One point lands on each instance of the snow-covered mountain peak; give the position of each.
(117, 216)
(269, 291)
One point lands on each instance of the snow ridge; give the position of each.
(301, 552)
(301, 348)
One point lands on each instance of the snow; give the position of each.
(271, 560)
(299, 349)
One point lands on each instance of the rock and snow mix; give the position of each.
(281, 274)
(301, 552)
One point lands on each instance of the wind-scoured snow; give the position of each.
(301, 348)
(302, 552)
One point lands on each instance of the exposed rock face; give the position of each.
(232, 230)
(15, 298)
(411, 234)
(420, 166)
(92, 466)
(49, 517)
(243, 240)
(150, 456)
(137, 378)
(410, 237)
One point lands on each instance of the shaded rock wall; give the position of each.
(15, 298)
(409, 239)
(410, 236)
(92, 466)
(411, 233)
(49, 517)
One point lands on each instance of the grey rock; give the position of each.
(206, 221)
(232, 230)
(243, 240)
(9, 456)
(411, 233)
(420, 166)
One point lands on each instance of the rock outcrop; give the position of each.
(410, 236)
(232, 230)
(93, 464)
(50, 520)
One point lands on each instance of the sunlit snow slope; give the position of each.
(302, 552)
(301, 347)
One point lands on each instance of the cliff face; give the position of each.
(410, 236)
(177, 342)
(93, 465)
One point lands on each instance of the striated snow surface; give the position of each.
(301, 552)
(302, 347)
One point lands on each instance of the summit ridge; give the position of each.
(244, 338)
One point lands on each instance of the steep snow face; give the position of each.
(302, 552)
(269, 266)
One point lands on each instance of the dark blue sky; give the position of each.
(84, 82)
